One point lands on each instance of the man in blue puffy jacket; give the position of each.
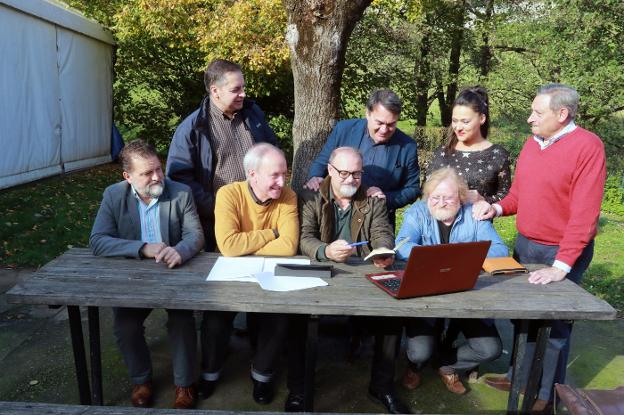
(208, 147)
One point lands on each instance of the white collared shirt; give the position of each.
(544, 143)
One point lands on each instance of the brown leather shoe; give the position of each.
(452, 382)
(498, 382)
(142, 395)
(542, 407)
(185, 398)
(411, 380)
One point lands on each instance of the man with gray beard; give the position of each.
(149, 217)
(332, 219)
(443, 216)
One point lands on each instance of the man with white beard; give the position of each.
(443, 216)
(147, 216)
(333, 219)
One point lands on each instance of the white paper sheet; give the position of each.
(261, 270)
(236, 269)
(270, 282)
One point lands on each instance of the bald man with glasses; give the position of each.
(333, 219)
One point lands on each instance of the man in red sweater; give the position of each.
(556, 195)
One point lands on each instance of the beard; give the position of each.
(152, 190)
(444, 213)
(347, 190)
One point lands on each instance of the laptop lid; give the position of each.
(441, 269)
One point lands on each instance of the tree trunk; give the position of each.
(422, 75)
(485, 57)
(446, 107)
(317, 35)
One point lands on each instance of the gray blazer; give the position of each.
(117, 227)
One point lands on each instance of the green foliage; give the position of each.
(165, 45)
(613, 200)
(251, 33)
(282, 127)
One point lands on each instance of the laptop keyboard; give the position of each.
(391, 284)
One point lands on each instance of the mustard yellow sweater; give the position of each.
(243, 227)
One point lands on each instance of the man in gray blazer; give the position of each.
(147, 216)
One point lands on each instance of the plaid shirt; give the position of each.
(230, 140)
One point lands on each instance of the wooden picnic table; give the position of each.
(77, 278)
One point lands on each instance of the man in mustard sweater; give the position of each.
(254, 217)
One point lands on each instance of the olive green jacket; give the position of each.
(369, 221)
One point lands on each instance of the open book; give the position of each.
(383, 252)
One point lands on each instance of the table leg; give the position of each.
(96, 356)
(310, 363)
(537, 365)
(80, 358)
(519, 350)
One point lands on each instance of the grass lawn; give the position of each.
(43, 219)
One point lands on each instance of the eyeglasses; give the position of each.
(441, 199)
(343, 174)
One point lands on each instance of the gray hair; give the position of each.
(561, 96)
(216, 70)
(440, 175)
(255, 155)
(387, 99)
(340, 150)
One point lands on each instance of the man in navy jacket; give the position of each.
(208, 147)
(390, 156)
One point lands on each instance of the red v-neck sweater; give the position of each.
(556, 193)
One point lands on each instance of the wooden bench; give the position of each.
(34, 408)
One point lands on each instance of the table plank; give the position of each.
(79, 278)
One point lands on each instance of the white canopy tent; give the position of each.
(56, 102)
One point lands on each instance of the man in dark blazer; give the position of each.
(390, 156)
(147, 216)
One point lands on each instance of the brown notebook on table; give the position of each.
(503, 265)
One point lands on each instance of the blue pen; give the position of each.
(354, 244)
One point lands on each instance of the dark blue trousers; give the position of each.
(558, 346)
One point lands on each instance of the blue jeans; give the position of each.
(558, 346)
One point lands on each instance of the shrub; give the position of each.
(613, 201)
(282, 127)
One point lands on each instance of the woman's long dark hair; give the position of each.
(475, 97)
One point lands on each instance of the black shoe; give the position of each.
(392, 403)
(206, 388)
(294, 403)
(262, 392)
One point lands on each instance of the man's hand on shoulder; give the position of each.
(482, 210)
(314, 183)
(169, 256)
(152, 250)
(375, 192)
(547, 275)
(338, 250)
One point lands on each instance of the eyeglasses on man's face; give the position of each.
(343, 174)
(444, 200)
